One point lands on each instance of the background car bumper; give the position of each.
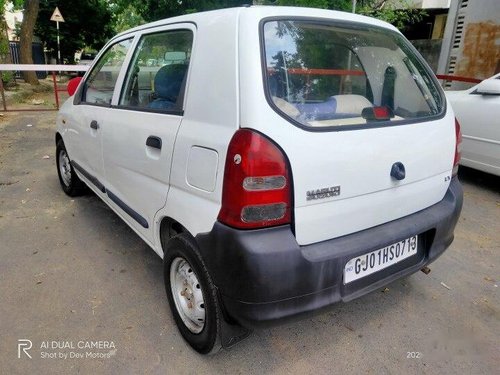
(264, 276)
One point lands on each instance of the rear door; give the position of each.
(140, 134)
(360, 118)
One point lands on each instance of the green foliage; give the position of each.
(4, 43)
(153, 10)
(344, 5)
(87, 23)
(7, 77)
(304, 3)
(400, 14)
(17, 4)
(125, 16)
(130, 13)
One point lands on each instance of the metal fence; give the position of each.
(38, 58)
(53, 69)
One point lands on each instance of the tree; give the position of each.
(88, 23)
(4, 40)
(26, 38)
(5, 56)
(400, 13)
(153, 10)
(125, 17)
(344, 5)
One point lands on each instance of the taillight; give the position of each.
(458, 148)
(256, 189)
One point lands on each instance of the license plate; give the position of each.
(377, 260)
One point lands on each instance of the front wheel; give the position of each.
(191, 295)
(70, 182)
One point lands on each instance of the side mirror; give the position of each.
(490, 86)
(73, 85)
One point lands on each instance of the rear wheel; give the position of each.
(70, 182)
(191, 295)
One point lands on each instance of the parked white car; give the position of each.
(290, 158)
(86, 58)
(478, 112)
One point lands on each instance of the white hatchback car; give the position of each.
(288, 159)
(478, 111)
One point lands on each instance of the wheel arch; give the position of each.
(188, 212)
(58, 137)
(168, 227)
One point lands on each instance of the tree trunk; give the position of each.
(8, 78)
(5, 57)
(26, 38)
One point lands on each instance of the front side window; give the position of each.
(101, 81)
(157, 75)
(323, 74)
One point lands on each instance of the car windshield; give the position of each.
(324, 74)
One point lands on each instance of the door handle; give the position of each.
(154, 141)
(94, 125)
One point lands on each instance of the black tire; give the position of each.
(208, 340)
(72, 186)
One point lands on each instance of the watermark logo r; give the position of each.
(25, 345)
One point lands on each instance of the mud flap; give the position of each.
(230, 333)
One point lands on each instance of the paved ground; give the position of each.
(72, 271)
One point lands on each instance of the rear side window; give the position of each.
(157, 75)
(322, 74)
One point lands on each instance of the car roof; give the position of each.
(259, 12)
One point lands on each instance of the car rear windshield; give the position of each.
(333, 75)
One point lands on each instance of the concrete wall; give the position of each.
(480, 50)
(471, 43)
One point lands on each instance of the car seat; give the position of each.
(168, 83)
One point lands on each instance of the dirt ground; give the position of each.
(36, 98)
(71, 272)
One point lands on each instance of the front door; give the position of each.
(92, 111)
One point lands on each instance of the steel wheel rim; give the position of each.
(65, 167)
(188, 296)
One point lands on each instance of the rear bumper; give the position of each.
(264, 276)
